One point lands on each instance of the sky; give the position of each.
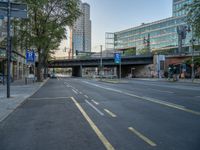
(117, 15)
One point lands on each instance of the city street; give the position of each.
(84, 114)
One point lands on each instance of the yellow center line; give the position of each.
(110, 113)
(103, 139)
(144, 138)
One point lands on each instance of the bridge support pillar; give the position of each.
(77, 71)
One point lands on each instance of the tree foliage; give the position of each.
(45, 26)
(130, 52)
(143, 51)
(193, 16)
(196, 62)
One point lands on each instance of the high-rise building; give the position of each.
(82, 30)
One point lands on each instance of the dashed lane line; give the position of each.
(141, 136)
(110, 113)
(86, 96)
(95, 102)
(95, 108)
(75, 91)
(100, 135)
(164, 103)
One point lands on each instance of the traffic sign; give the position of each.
(117, 57)
(30, 56)
(18, 10)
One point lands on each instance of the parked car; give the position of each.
(52, 75)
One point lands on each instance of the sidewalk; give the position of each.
(165, 79)
(19, 93)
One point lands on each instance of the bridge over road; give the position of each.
(127, 63)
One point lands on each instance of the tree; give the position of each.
(193, 16)
(143, 51)
(130, 52)
(45, 27)
(196, 62)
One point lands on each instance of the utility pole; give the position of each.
(101, 64)
(192, 47)
(192, 65)
(8, 49)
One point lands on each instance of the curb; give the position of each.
(23, 101)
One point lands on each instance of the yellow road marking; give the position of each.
(110, 113)
(103, 139)
(95, 102)
(144, 138)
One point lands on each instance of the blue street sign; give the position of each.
(1, 17)
(30, 56)
(117, 57)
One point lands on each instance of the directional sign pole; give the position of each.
(8, 50)
(120, 70)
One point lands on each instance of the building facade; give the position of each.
(161, 35)
(81, 32)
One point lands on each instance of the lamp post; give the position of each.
(192, 65)
(101, 64)
(8, 49)
(192, 47)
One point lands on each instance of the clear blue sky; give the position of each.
(116, 15)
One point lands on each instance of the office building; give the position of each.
(81, 32)
(159, 36)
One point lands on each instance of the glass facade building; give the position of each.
(82, 30)
(162, 34)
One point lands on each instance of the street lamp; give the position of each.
(101, 64)
(192, 65)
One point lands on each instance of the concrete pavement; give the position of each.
(19, 93)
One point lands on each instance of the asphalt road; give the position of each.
(81, 114)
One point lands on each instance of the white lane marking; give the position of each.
(110, 113)
(100, 135)
(95, 102)
(86, 96)
(97, 110)
(171, 105)
(80, 92)
(144, 138)
(162, 91)
(75, 92)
